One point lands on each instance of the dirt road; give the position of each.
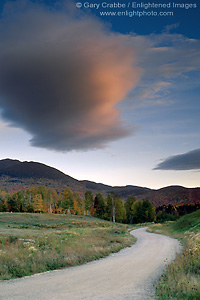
(127, 275)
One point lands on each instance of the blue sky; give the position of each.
(108, 99)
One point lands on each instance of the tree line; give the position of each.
(112, 207)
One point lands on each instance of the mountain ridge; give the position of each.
(15, 174)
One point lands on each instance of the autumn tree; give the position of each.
(38, 203)
(67, 200)
(52, 196)
(78, 204)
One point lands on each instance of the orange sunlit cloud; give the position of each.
(67, 73)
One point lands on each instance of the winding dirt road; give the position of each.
(127, 275)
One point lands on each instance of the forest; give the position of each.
(41, 199)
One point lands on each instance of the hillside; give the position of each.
(16, 168)
(122, 191)
(185, 268)
(15, 175)
(173, 195)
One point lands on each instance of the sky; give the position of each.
(106, 91)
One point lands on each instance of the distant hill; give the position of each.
(90, 185)
(15, 175)
(122, 191)
(173, 195)
(16, 168)
(129, 190)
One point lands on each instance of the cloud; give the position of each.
(186, 161)
(169, 28)
(62, 76)
(167, 62)
(167, 55)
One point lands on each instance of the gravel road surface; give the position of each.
(127, 275)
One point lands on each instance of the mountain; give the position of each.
(122, 191)
(15, 168)
(15, 175)
(173, 195)
(90, 185)
(33, 173)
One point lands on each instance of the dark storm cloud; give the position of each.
(62, 76)
(187, 161)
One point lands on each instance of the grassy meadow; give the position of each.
(34, 243)
(182, 278)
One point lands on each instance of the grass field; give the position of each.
(182, 279)
(34, 243)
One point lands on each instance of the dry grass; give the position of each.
(182, 279)
(55, 242)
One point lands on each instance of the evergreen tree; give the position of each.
(128, 206)
(99, 206)
(149, 213)
(3, 201)
(108, 213)
(143, 211)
